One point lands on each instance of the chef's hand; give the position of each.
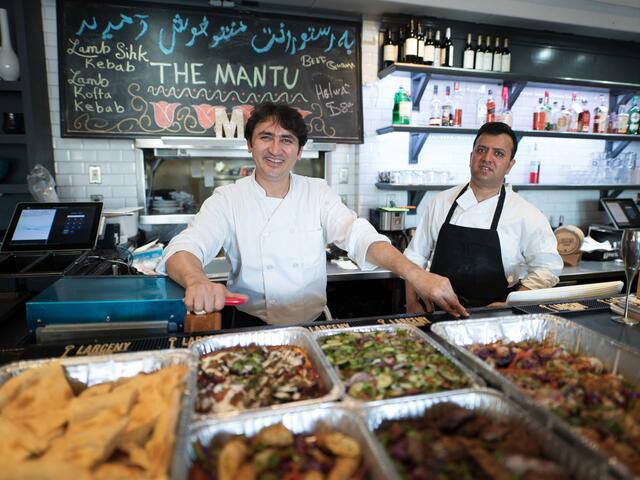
(436, 289)
(201, 296)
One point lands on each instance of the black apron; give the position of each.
(471, 259)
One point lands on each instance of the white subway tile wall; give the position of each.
(562, 161)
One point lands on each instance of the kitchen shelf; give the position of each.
(408, 69)
(14, 188)
(419, 135)
(415, 193)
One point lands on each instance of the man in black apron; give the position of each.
(471, 258)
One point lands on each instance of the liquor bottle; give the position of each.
(447, 109)
(401, 108)
(437, 56)
(488, 55)
(555, 115)
(539, 116)
(491, 108)
(623, 119)
(479, 54)
(497, 56)
(505, 114)
(612, 123)
(600, 116)
(481, 107)
(468, 56)
(562, 123)
(584, 117)
(457, 105)
(429, 49)
(506, 56)
(547, 111)
(575, 110)
(389, 50)
(420, 44)
(435, 115)
(634, 117)
(401, 39)
(411, 44)
(447, 58)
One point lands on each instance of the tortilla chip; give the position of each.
(18, 444)
(86, 407)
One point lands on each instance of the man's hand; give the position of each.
(433, 288)
(201, 295)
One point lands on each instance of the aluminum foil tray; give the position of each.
(304, 419)
(616, 357)
(88, 371)
(413, 331)
(576, 458)
(282, 336)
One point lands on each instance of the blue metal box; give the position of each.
(107, 300)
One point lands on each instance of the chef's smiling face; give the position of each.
(490, 160)
(275, 151)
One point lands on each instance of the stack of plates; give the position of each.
(160, 205)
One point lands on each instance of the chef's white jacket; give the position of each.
(276, 247)
(527, 243)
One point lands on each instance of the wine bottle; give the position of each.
(448, 49)
(429, 49)
(479, 54)
(420, 59)
(389, 50)
(468, 56)
(497, 56)
(401, 38)
(488, 55)
(437, 60)
(506, 56)
(411, 44)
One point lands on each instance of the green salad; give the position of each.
(379, 365)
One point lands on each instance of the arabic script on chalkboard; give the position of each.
(129, 70)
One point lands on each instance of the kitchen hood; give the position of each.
(193, 147)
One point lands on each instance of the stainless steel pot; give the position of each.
(386, 220)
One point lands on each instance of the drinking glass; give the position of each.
(630, 251)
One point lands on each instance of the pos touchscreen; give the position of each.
(53, 226)
(623, 212)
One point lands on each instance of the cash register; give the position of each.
(623, 213)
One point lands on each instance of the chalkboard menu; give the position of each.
(134, 69)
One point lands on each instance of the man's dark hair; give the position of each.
(284, 115)
(498, 128)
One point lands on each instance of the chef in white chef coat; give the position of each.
(274, 226)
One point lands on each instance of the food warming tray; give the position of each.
(282, 336)
(88, 371)
(302, 419)
(576, 458)
(616, 357)
(413, 331)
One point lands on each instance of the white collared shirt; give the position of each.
(527, 243)
(276, 247)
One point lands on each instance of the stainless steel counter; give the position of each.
(585, 271)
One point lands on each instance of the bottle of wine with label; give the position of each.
(429, 49)
(411, 44)
(479, 65)
(437, 61)
(468, 56)
(497, 56)
(389, 50)
(447, 59)
(488, 55)
(506, 56)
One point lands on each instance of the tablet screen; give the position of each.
(623, 212)
(53, 226)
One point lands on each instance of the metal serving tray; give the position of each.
(413, 331)
(616, 357)
(88, 371)
(282, 336)
(577, 459)
(306, 419)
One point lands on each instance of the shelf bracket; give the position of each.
(416, 142)
(419, 82)
(614, 149)
(515, 89)
(617, 99)
(613, 193)
(519, 137)
(414, 197)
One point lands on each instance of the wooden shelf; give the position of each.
(13, 139)
(520, 133)
(481, 75)
(13, 188)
